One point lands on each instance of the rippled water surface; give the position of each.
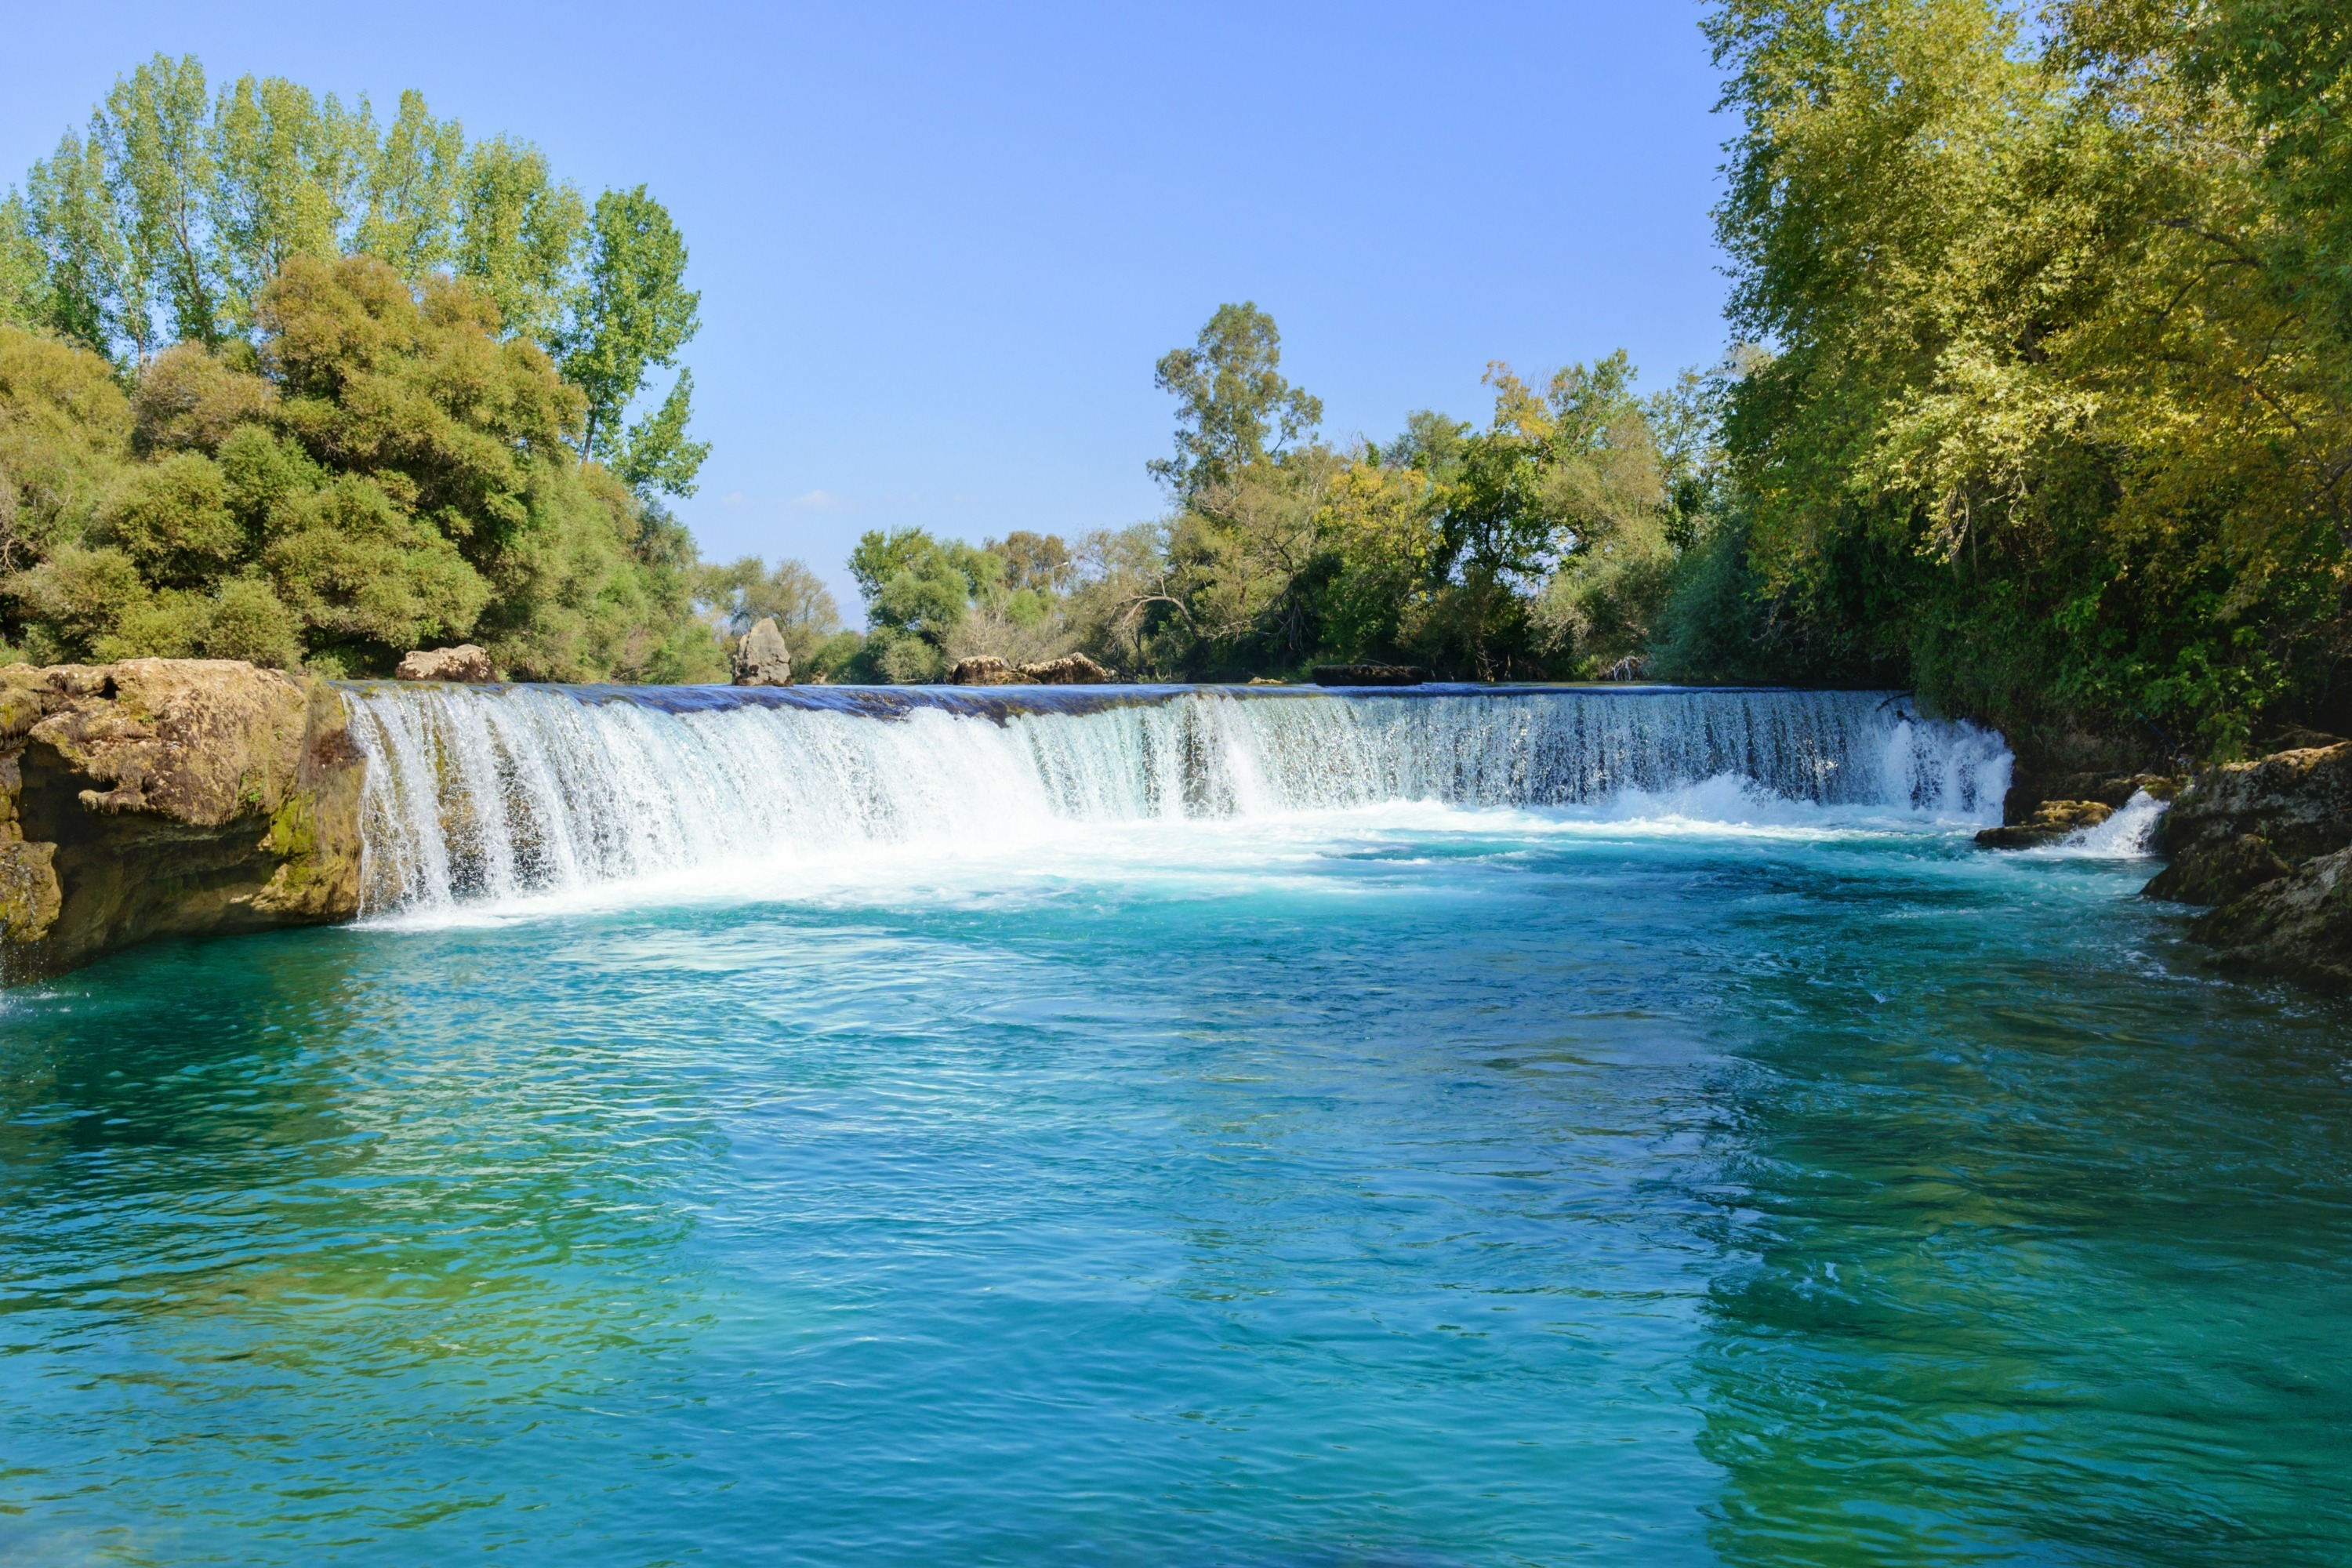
(1397, 1185)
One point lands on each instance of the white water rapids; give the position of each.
(486, 794)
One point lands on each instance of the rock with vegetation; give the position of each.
(762, 658)
(2267, 845)
(2051, 823)
(2298, 926)
(168, 796)
(2244, 824)
(464, 662)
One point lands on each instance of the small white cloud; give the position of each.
(732, 498)
(819, 500)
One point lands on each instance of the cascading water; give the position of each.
(487, 793)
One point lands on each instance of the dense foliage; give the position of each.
(1542, 544)
(2044, 406)
(2058, 416)
(274, 385)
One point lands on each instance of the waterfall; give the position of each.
(491, 792)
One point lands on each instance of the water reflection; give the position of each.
(2029, 1267)
(272, 1199)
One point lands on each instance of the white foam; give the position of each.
(2126, 836)
(493, 802)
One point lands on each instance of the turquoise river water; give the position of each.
(1177, 1129)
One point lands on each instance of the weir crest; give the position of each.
(483, 794)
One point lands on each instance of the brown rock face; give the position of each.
(2052, 822)
(987, 669)
(2267, 842)
(161, 796)
(983, 670)
(2298, 925)
(1074, 670)
(464, 662)
(2240, 826)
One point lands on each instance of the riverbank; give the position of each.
(194, 797)
(160, 797)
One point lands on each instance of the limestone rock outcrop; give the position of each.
(1071, 669)
(2267, 843)
(464, 662)
(983, 670)
(2052, 821)
(987, 669)
(2298, 925)
(2244, 824)
(168, 796)
(761, 658)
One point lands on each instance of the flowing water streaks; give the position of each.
(488, 793)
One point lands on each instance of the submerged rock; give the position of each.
(2050, 822)
(1370, 675)
(168, 797)
(464, 662)
(761, 658)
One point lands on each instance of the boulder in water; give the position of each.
(2267, 843)
(761, 658)
(168, 796)
(464, 662)
(2050, 823)
(1370, 675)
(2298, 925)
(2296, 804)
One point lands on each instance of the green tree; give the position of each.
(633, 312)
(1234, 408)
(291, 180)
(519, 236)
(162, 177)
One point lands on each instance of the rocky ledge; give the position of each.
(2267, 845)
(168, 797)
(987, 669)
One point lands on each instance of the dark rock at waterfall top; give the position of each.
(2053, 821)
(1369, 674)
(987, 669)
(1071, 669)
(168, 796)
(983, 670)
(2266, 844)
(464, 662)
(761, 658)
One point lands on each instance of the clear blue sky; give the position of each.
(939, 246)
